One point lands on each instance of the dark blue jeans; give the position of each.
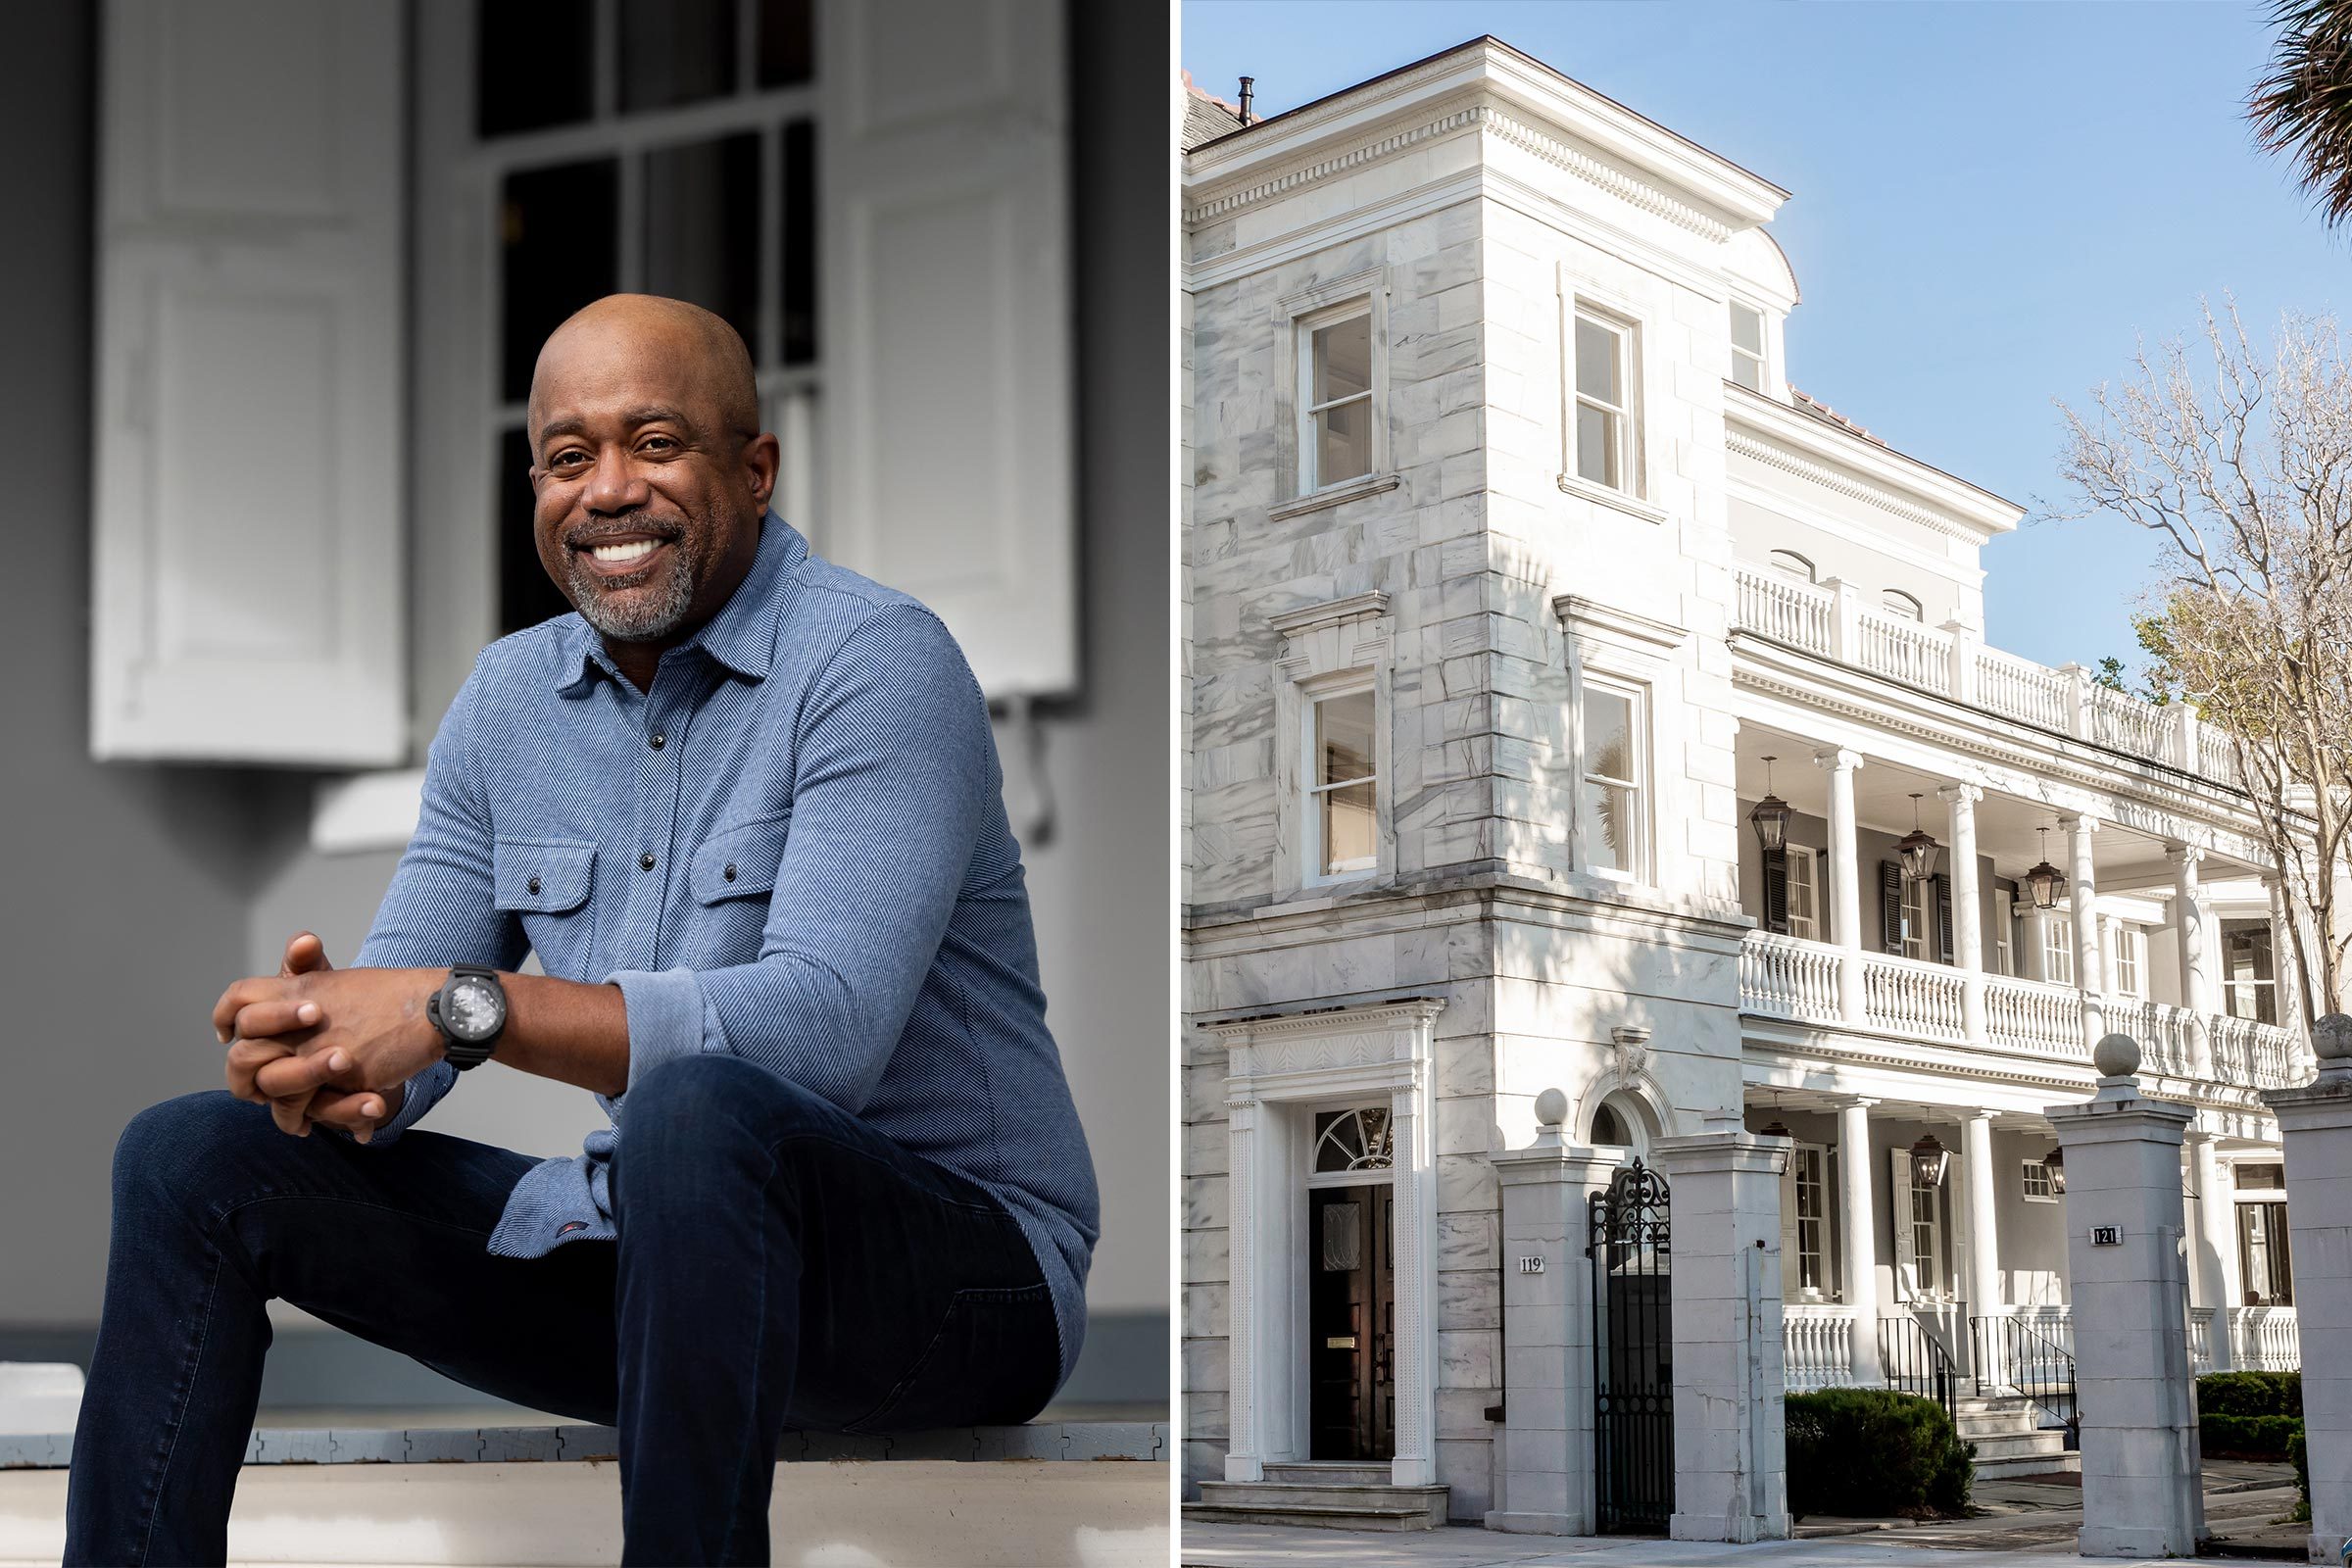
(779, 1264)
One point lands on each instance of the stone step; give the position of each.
(1314, 1518)
(1321, 1495)
(1330, 1472)
(2018, 1444)
(2065, 1463)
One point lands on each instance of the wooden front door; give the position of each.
(1352, 1322)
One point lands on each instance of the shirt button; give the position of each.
(645, 861)
(730, 872)
(657, 741)
(532, 884)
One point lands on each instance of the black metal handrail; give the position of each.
(2012, 1354)
(1917, 1362)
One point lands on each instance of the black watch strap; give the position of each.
(465, 1053)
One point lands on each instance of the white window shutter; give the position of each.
(944, 149)
(247, 586)
(1898, 1209)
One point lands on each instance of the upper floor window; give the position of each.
(2130, 944)
(1335, 399)
(2036, 1183)
(1614, 797)
(1901, 605)
(1804, 894)
(1809, 1167)
(1747, 346)
(1915, 917)
(1789, 563)
(1604, 405)
(2057, 949)
(1343, 786)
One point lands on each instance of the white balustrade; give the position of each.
(2217, 758)
(2255, 1055)
(2033, 1017)
(2020, 689)
(1909, 997)
(2127, 724)
(1787, 977)
(1816, 1346)
(2200, 1340)
(1905, 650)
(1784, 609)
(2162, 1030)
(2263, 1339)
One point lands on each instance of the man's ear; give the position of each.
(763, 458)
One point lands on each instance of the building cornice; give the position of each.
(1484, 84)
(1771, 432)
(1330, 612)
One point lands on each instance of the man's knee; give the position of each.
(172, 1149)
(708, 1118)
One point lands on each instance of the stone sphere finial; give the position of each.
(2331, 1038)
(1552, 1107)
(2116, 1056)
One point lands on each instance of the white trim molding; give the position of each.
(1280, 1070)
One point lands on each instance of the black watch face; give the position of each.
(473, 1008)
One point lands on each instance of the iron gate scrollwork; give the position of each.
(1633, 1351)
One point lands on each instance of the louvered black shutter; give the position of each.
(1943, 918)
(1775, 891)
(1891, 906)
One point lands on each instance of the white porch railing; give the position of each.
(2167, 1042)
(2200, 1340)
(2033, 1017)
(1830, 621)
(2263, 1056)
(2263, 1339)
(1818, 1347)
(1911, 997)
(1784, 977)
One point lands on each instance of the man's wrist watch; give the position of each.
(471, 1010)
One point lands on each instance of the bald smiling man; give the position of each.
(744, 806)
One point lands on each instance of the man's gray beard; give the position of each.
(649, 616)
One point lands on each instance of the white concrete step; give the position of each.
(1323, 1501)
(551, 1496)
(1330, 1472)
(1312, 1517)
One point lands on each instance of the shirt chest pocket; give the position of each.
(739, 861)
(547, 883)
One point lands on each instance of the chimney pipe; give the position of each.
(1248, 90)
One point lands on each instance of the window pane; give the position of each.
(786, 56)
(1344, 738)
(1348, 827)
(558, 235)
(526, 594)
(530, 75)
(1343, 442)
(1596, 445)
(1748, 329)
(1608, 734)
(800, 242)
(1596, 363)
(1344, 358)
(675, 52)
(1748, 372)
(701, 227)
(1613, 827)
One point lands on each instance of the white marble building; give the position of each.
(1516, 575)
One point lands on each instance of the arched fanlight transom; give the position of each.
(1362, 1139)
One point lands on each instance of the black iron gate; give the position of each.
(1633, 1353)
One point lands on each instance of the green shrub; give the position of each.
(2302, 1461)
(2251, 1394)
(2248, 1436)
(1866, 1453)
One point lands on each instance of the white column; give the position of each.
(1415, 1254)
(1845, 879)
(2082, 887)
(1858, 1237)
(1547, 1459)
(2142, 1494)
(1983, 1241)
(1731, 1478)
(2195, 933)
(2216, 1242)
(1246, 1445)
(1968, 917)
(2315, 1121)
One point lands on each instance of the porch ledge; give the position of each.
(1136, 1441)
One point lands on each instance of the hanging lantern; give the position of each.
(1775, 1128)
(1929, 1161)
(2045, 883)
(1770, 818)
(2055, 1163)
(1917, 849)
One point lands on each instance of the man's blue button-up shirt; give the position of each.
(792, 848)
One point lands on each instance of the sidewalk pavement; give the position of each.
(2021, 1523)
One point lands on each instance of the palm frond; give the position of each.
(2302, 107)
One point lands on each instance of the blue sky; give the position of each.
(1992, 203)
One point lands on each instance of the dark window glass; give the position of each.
(800, 242)
(557, 239)
(675, 52)
(786, 54)
(525, 594)
(534, 65)
(701, 227)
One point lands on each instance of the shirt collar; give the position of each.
(741, 637)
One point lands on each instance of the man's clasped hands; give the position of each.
(326, 1047)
